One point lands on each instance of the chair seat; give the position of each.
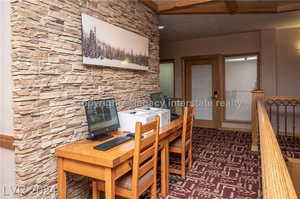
(174, 116)
(126, 180)
(178, 142)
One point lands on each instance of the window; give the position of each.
(240, 79)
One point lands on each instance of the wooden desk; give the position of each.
(81, 158)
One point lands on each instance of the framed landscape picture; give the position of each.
(104, 44)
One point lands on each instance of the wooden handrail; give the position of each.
(297, 98)
(7, 142)
(276, 180)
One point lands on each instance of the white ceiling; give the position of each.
(185, 27)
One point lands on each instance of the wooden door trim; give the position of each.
(224, 84)
(183, 68)
(215, 61)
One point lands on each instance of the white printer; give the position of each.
(144, 115)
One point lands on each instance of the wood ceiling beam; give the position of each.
(197, 10)
(288, 7)
(190, 7)
(150, 4)
(231, 5)
(180, 4)
(219, 10)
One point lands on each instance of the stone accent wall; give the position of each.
(50, 83)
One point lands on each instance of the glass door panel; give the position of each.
(166, 77)
(240, 80)
(202, 86)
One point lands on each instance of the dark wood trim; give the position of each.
(258, 83)
(163, 61)
(7, 142)
(229, 7)
(235, 129)
(180, 4)
(203, 59)
(184, 61)
(150, 4)
(237, 121)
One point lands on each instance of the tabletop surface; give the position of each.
(84, 151)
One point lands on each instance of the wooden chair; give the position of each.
(183, 144)
(144, 166)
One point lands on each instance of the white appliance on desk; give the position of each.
(144, 115)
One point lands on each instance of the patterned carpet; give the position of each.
(224, 167)
(290, 146)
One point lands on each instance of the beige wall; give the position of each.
(268, 61)
(279, 56)
(288, 61)
(227, 44)
(7, 157)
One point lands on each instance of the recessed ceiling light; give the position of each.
(161, 27)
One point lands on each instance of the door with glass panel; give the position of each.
(241, 77)
(201, 88)
(166, 77)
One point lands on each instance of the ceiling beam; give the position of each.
(231, 6)
(197, 10)
(288, 7)
(150, 4)
(219, 10)
(180, 4)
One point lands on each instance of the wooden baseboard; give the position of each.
(297, 134)
(235, 129)
(7, 142)
(254, 148)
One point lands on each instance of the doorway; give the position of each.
(166, 77)
(202, 88)
(220, 86)
(241, 78)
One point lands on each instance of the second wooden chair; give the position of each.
(183, 144)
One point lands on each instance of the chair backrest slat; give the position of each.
(149, 126)
(147, 154)
(188, 120)
(145, 151)
(148, 140)
(147, 166)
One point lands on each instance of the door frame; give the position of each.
(217, 86)
(258, 81)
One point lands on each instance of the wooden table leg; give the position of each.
(109, 184)
(165, 170)
(95, 193)
(61, 180)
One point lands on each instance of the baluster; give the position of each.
(285, 118)
(294, 118)
(277, 117)
(270, 112)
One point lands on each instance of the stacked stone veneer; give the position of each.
(51, 83)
